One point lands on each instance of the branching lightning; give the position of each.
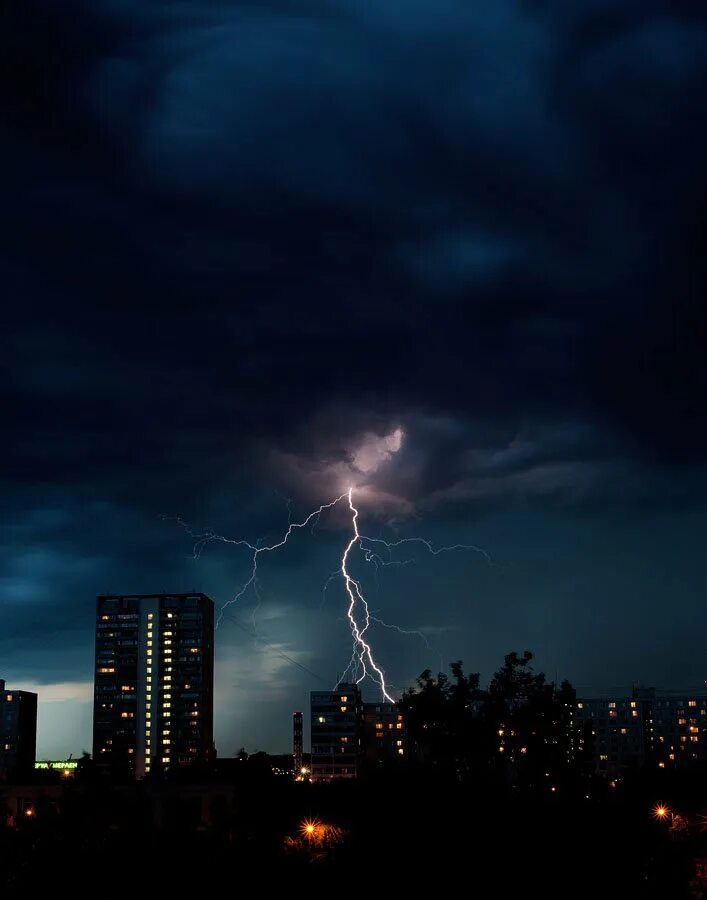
(376, 551)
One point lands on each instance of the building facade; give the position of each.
(18, 732)
(349, 735)
(336, 718)
(383, 738)
(646, 728)
(153, 697)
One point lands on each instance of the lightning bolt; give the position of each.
(362, 663)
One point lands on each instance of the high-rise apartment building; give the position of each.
(18, 732)
(336, 732)
(153, 699)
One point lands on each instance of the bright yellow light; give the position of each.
(660, 811)
(309, 828)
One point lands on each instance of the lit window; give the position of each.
(105, 670)
(671, 756)
(661, 765)
(694, 729)
(148, 733)
(127, 715)
(580, 706)
(167, 677)
(634, 713)
(343, 709)
(612, 713)
(321, 719)
(168, 634)
(401, 751)
(150, 615)
(149, 643)
(344, 699)
(194, 713)
(193, 649)
(692, 702)
(694, 738)
(624, 731)
(682, 721)
(166, 705)
(149, 670)
(149, 653)
(523, 749)
(126, 687)
(170, 615)
(149, 679)
(165, 740)
(148, 715)
(105, 618)
(379, 726)
(399, 725)
(612, 705)
(344, 740)
(398, 743)
(166, 714)
(165, 759)
(632, 704)
(167, 696)
(683, 738)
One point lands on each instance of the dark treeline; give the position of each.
(517, 731)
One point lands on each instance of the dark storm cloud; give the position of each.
(243, 237)
(477, 212)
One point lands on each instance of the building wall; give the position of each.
(336, 732)
(384, 736)
(18, 732)
(646, 728)
(153, 700)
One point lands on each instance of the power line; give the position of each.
(274, 648)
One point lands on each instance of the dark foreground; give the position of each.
(388, 833)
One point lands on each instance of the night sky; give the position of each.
(247, 242)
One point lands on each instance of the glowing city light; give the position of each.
(660, 811)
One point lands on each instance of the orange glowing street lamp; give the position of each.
(661, 811)
(311, 829)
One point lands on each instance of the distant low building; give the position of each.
(18, 732)
(647, 728)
